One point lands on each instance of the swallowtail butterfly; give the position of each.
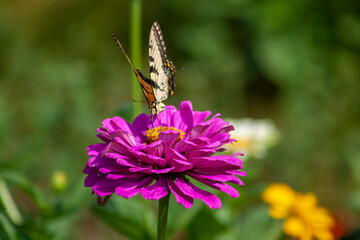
(160, 86)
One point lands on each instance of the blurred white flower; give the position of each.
(253, 137)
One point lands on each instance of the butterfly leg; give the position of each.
(152, 120)
(157, 116)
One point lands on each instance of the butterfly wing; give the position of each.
(162, 71)
(147, 85)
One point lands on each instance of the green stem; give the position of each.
(135, 40)
(162, 217)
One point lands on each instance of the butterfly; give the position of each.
(161, 85)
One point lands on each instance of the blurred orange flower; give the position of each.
(304, 219)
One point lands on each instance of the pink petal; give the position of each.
(191, 190)
(218, 159)
(155, 148)
(120, 124)
(201, 152)
(221, 137)
(95, 149)
(150, 159)
(156, 191)
(141, 123)
(124, 138)
(198, 130)
(168, 137)
(216, 178)
(236, 172)
(177, 122)
(113, 168)
(167, 116)
(184, 145)
(180, 197)
(129, 188)
(186, 112)
(100, 161)
(128, 175)
(105, 187)
(92, 179)
(162, 171)
(200, 116)
(176, 160)
(116, 147)
(221, 187)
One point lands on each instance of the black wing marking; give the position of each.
(162, 71)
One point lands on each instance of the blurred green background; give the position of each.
(295, 62)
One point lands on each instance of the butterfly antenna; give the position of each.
(138, 100)
(179, 68)
(118, 43)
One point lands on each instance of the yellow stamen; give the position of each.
(152, 134)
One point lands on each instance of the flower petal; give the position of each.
(236, 172)
(95, 149)
(156, 191)
(162, 171)
(183, 146)
(169, 137)
(131, 187)
(186, 113)
(105, 187)
(180, 197)
(141, 123)
(191, 190)
(215, 127)
(124, 138)
(220, 160)
(99, 161)
(167, 116)
(117, 123)
(200, 153)
(198, 130)
(176, 160)
(216, 178)
(221, 137)
(221, 187)
(150, 159)
(113, 168)
(155, 148)
(200, 116)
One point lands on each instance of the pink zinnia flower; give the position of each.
(177, 148)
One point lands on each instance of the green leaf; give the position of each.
(24, 184)
(124, 216)
(9, 204)
(7, 230)
(257, 218)
(180, 217)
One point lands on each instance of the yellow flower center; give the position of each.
(152, 134)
